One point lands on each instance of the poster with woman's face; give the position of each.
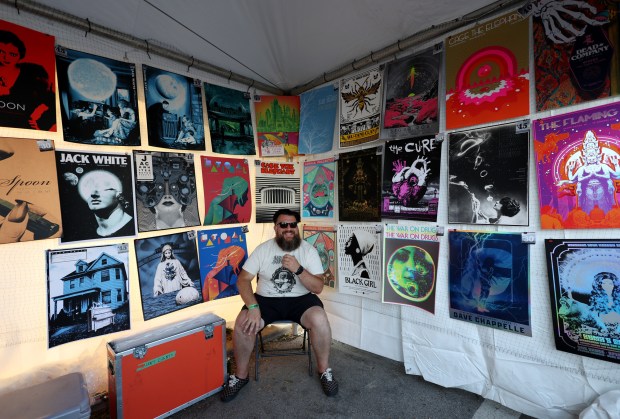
(359, 260)
(27, 78)
(584, 283)
(96, 195)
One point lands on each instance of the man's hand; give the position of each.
(290, 263)
(251, 324)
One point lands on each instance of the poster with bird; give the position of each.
(277, 126)
(226, 183)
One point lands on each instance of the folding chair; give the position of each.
(261, 352)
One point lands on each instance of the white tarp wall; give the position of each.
(523, 373)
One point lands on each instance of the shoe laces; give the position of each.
(233, 380)
(327, 374)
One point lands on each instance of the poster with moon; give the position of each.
(487, 72)
(173, 110)
(98, 99)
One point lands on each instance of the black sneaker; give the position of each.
(329, 383)
(232, 387)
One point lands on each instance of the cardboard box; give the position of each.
(162, 371)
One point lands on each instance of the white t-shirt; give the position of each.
(273, 279)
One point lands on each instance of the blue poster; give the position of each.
(317, 120)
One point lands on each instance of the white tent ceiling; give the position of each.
(283, 43)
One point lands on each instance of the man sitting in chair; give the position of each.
(289, 277)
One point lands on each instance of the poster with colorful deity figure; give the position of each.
(226, 183)
(487, 72)
(575, 57)
(578, 170)
(319, 188)
(359, 185)
(410, 186)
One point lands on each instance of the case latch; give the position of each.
(209, 331)
(139, 352)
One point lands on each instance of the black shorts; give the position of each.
(285, 308)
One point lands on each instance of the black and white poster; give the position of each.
(359, 260)
(96, 195)
(488, 175)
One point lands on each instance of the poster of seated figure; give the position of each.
(359, 185)
(88, 292)
(578, 170)
(488, 175)
(584, 283)
(489, 280)
(98, 99)
(173, 110)
(359, 260)
(169, 273)
(165, 190)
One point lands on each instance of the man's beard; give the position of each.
(288, 246)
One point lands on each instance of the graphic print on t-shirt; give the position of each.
(282, 279)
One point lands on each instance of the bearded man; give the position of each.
(290, 274)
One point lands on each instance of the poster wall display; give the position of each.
(359, 185)
(575, 51)
(578, 170)
(411, 88)
(319, 179)
(277, 126)
(165, 190)
(323, 239)
(359, 260)
(489, 280)
(230, 121)
(226, 183)
(97, 190)
(222, 255)
(410, 261)
(28, 86)
(88, 292)
(585, 296)
(410, 186)
(169, 273)
(278, 186)
(487, 72)
(318, 109)
(360, 107)
(173, 110)
(488, 175)
(98, 99)
(29, 203)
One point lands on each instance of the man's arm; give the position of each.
(314, 283)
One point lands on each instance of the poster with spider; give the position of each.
(29, 200)
(317, 119)
(584, 283)
(230, 121)
(359, 260)
(277, 126)
(578, 170)
(575, 51)
(88, 292)
(98, 99)
(489, 280)
(410, 260)
(488, 175)
(359, 185)
(226, 183)
(169, 273)
(27, 79)
(96, 195)
(360, 107)
(323, 239)
(173, 110)
(410, 186)
(222, 253)
(278, 186)
(487, 72)
(411, 93)
(165, 190)
(319, 186)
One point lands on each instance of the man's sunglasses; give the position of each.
(291, 225)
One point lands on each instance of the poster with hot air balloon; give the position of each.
(319, 188)
(277, 125)
(222, 254)
(323, 239)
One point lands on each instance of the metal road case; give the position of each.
(162, 371)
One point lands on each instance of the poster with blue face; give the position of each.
(222, 254)
(173, 110)
(169, 273)
(489, 280)
(98, 99)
